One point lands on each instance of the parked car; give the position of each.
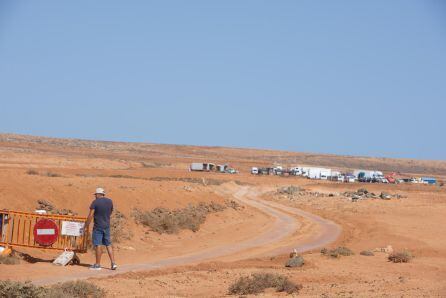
(254, 171)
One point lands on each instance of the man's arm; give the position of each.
(89, 218)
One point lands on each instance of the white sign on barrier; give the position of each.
(72, 228)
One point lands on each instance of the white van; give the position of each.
(254, 171)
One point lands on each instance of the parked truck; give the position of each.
(369, 176)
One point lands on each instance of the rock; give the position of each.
(355, 198)
(362, 191)
(296, 261)
(385, 196)
(388, 249)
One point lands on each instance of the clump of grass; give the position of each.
(400, 257)
(32, 172)
(123, 176)
(51, 174)
(367, 253)
(258, 282)
(78, 289)
(337, 252)
(72, 289)
(289, 190)
(162, 220)
(9, 260)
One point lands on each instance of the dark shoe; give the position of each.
(95, 267)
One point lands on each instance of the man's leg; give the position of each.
(107, 243)
(98, 254)
(97, 242)
(110, 253)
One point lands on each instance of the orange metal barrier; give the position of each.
(18, 230)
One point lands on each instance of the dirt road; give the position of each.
(278, 239)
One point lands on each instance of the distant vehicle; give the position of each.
(391, 178)
(324, 174)
(265, 171)
(336, 176)
(199, 166)
(296, 171)
(370, 176)
(429, 180)
(278, 170)
(254, 171)
(231, 171)
(350, 178)
(318, 173)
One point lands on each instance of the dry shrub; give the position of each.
(162, 220)
(400, 257)
(72, 289)
(258, 282)
(123, 176)
(367, 253)
(289, 190)
(14, 289)
(51, 174)
(9, 260)
(76, 289)
(337, 252)
(118, 227)
(32, 172)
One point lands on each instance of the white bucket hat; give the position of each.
(100, 190)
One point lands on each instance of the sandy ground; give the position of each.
(141, 176)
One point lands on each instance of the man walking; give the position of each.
(101, 209)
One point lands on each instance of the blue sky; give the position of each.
(342, 77)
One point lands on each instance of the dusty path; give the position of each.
(285, 224)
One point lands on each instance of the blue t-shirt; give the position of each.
(103, 208)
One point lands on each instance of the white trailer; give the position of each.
(199, 166)
(318, 173)
(325, 173)
(296, 171)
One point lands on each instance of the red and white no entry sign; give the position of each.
(45, 232)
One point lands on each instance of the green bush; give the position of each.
(258, 282)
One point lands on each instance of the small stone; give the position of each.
(385, 196)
